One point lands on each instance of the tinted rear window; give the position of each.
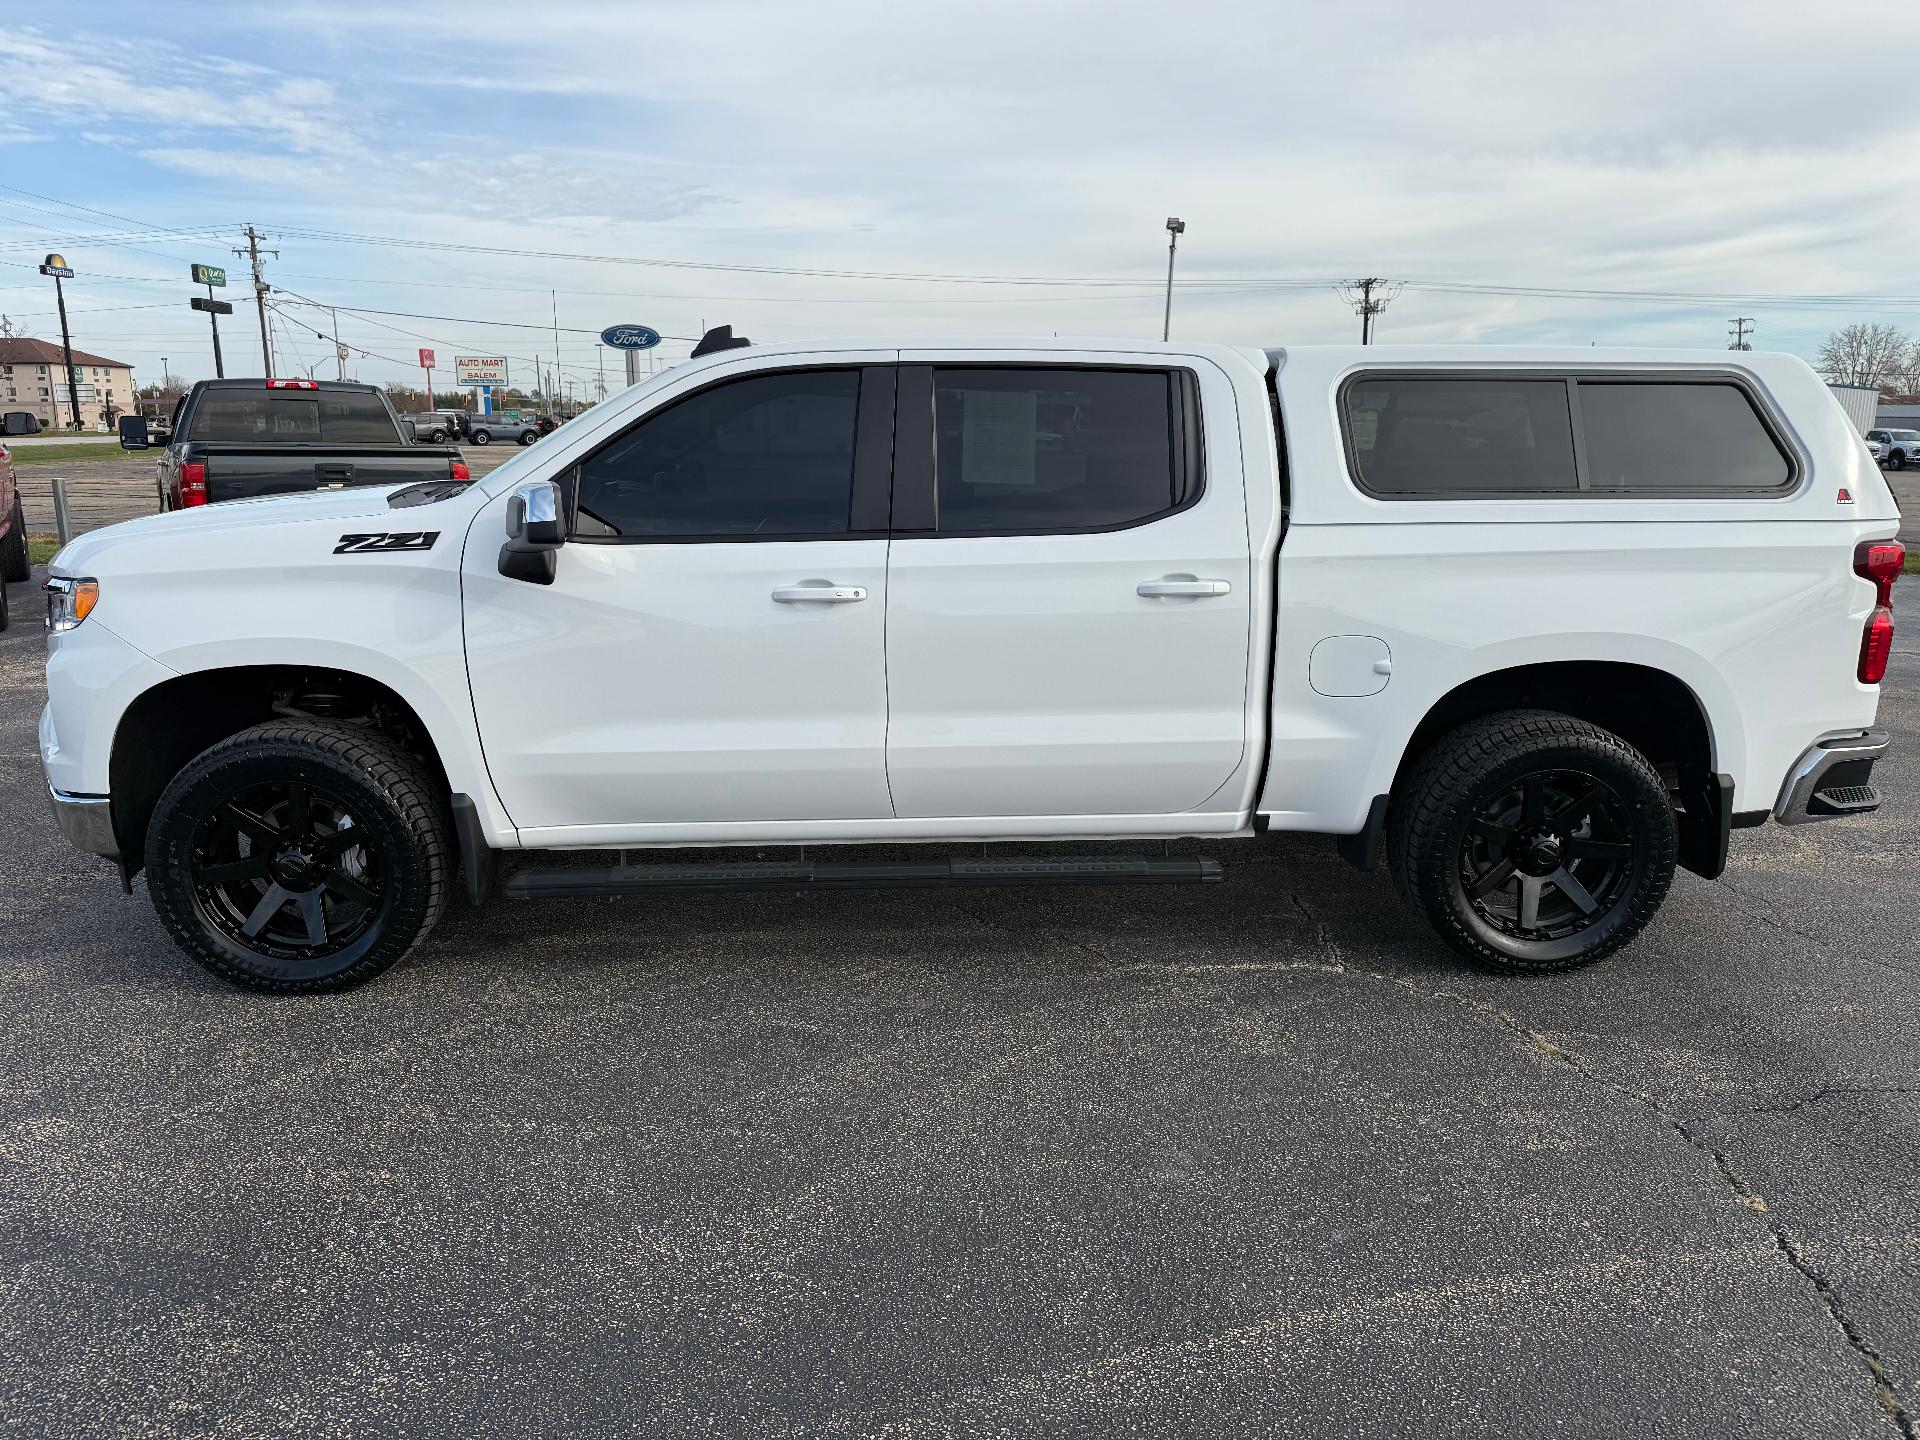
(294, 417)
(1443, 436)
(1026, 451)
(1691, 436)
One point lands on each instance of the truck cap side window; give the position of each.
(762, 457)
(1415, 436)
(1032, 451)
(1652, 436)
(1460, 436)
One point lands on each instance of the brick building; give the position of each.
(33, 376)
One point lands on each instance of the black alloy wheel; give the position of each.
(300, 855)
(1548, 856)
(282, 869)
(1532, 841)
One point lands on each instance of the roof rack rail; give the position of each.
(721, 337)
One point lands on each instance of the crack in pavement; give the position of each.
(1826, 1093)
(1886, 1389)
(1754, 908)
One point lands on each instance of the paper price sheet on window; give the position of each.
(999, 434)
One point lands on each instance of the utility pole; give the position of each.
(1741, 327)
(1176, 227)
(554, 296)
(340, 354)
(1368, 298)
(260, 289)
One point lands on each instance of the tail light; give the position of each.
(1881, 562)
(460, 470)
(293, 384)
(193, 483)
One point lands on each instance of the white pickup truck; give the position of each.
(1539, 624)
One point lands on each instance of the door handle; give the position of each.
(1153, 589)
(819, 594)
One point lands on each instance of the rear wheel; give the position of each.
(1532, 841)
(15, 563)
(482, 437)
(300, 856)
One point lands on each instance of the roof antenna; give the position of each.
(721, 337)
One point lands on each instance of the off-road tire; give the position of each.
(1437, 802)
(393, 796)
(15, 563)
(482, 437)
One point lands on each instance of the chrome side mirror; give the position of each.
(535, 533)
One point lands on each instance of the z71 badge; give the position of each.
(395, 540)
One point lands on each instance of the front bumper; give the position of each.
(1832, 778)
(86, 821)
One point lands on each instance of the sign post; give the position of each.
(426, 364)
(210, 276)
(632, 339)
(57, 267)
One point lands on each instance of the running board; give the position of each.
(533, 884)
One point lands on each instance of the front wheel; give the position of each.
(1899, 460)
(300, 856)
(1532, 841)
(527, 437)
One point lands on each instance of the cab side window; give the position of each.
(761, 457)
(1037, 451)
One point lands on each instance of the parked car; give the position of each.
(485, 429)
(241, 439)
(436, 427)
(1877, 449)
(1899, 448)
(1047, 592)
(15, 563)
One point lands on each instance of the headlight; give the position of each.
(69, 601)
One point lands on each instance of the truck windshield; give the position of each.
(293, 418)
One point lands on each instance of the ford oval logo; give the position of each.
(630, 337)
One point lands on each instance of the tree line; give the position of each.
(1880, 356)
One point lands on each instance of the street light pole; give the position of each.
(57, 267)
(1175, 228)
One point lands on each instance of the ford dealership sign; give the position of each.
(630, 337)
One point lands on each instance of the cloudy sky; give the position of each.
(841, 167)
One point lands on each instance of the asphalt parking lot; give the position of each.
(1256, 1158)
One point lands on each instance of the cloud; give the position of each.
(1722, 146)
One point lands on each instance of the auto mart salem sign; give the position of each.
(480, 370)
